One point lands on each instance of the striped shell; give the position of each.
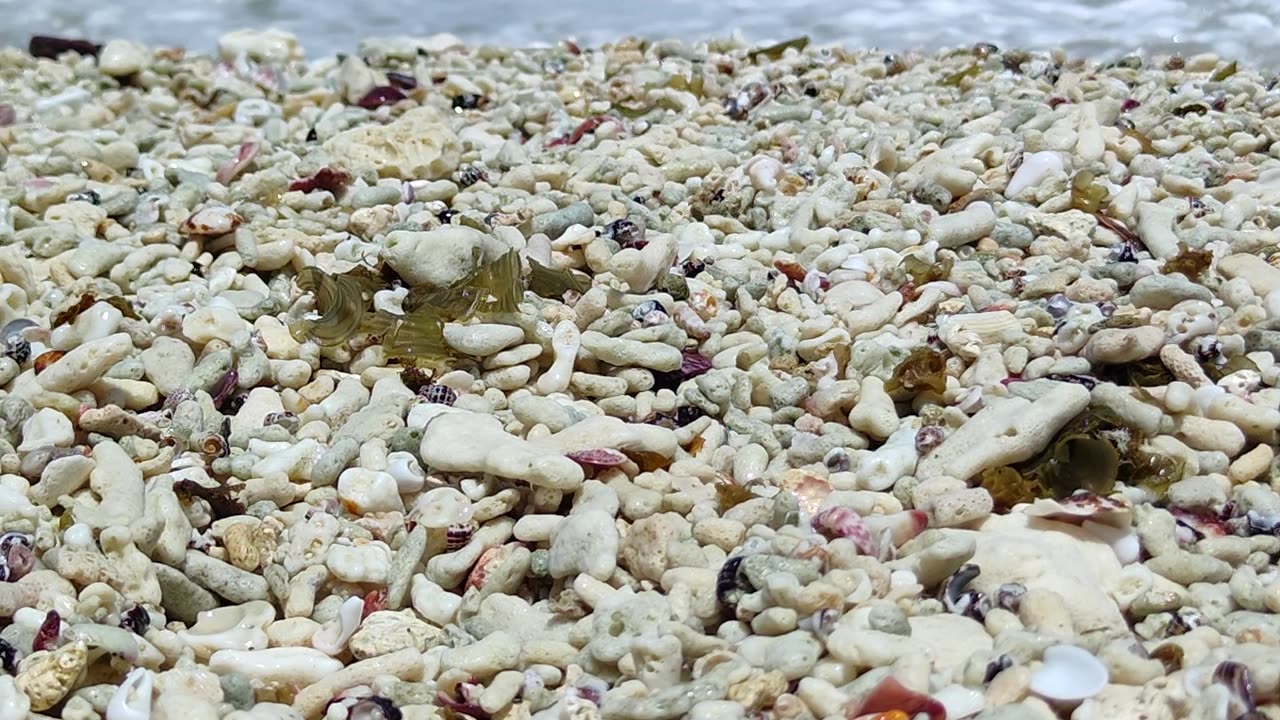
(458, 535)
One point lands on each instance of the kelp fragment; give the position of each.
(492, 288)
(1086, 195)
(340, 301)
(1148, 372)
(549, 282)
(1217, 371)
(418, 339)
(1093, 452)
(925, 368)
(954, 79)
(1189, 262)
(1227, 71)
(777, 50)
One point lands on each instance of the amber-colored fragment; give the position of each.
(45, 359)
(1086, 195)
(924, 369)
(730, 494)
(921, 271)
(1189, 262)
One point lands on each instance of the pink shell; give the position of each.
(231, 168)
(1081, 506)
(487, 562)
(598, 457)
(843, 522)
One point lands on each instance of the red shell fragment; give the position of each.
(598, 457)
(381, 95)
(844, 522)
(586, 126)
(892, 695)
(325, 178)
(47, 636)
(233, 167)
(375, 601)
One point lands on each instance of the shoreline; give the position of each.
(643, 381)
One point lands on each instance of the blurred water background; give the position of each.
(1243, 29)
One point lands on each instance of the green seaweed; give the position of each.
(1093, 452)
(1227, 71)
(340, 301)
(924, 369)
(1148, 372)
(549, 282)
(777, 50)
(954, 79)
(1234, 364)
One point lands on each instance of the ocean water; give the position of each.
(1242, 29)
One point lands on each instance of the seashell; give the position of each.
(957, 599)
(237, 163)
(45, 359)
(1033, 170)
(1069, 675)
(598, 457)
(1081, 506)
(438, 394)
(374, 708)
(959, 701)
(900, 526)
(928, 438)
(286, 420)
(210, 221)
(212, 445)
(890, 695)
(236, 627)
(332, 638)
(705, 304)
(1234, 677)
(458, 535)
(443, 507)
(489, 559)
(132, 700)
(810, 490)
(408, 474)
(966, 334)
(844, 522)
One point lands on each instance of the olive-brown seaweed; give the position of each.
(1093, 452)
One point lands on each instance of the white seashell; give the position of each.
(408, 474)
(211, 220)
(132, 700)
(441, 507)
(765, 172)
(1034, 169)
(1112, 511)
(1123, 541)
(78, 535)
(1069, 674)
(960, 701)
(236, 627)
(297, 666)
(332, 638)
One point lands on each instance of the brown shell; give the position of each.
(45, 359)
